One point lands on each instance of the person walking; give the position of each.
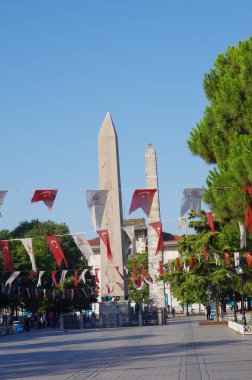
(173, 312)
(208, 311)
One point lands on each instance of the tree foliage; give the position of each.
(224, 135)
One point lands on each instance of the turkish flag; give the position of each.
(56, 249)
(143, 270)
(6, 253)
(161, 267)
(54, 272)
(192, 263)
(134, 267)
(248, 218)
(248, 258)
(76, 281)
(205, 253)
(158, 228)
(46, 196)
(104, 235)
(178, 263)
(96, 275)
(142, 198)
(227, 258)
(209, 216)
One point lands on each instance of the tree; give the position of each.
(224, 135)
(24, 292)
(141, 292)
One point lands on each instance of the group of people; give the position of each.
(45, 320)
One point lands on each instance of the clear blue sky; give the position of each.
(64, 64)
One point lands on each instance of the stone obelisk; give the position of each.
(112, 283)
(156, 289)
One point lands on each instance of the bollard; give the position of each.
(140, 318)
(160, 319)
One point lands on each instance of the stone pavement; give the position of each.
(178, 351)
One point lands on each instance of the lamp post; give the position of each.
(239, 271)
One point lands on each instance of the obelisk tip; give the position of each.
(107, 128)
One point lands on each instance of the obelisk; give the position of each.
(112, 271)
(156, 288)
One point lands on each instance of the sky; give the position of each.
(64, 64)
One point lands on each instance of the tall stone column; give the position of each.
(109, 179)
(156, 289)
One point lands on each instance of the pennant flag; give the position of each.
(227, 258)
(108, 288)
(82, 276)
(178, 263)
(237, 259)
(248, 218)
(12, 278)
(63, 276)
(184, 263)
(243, 239)
(247, 190)
(40, 276)
(56, 249)
(205, 253)
(134, 267)
(104, 235)
(120, 274)
(161, 267)
(27, 243)
(130, 231)
(76, 281)
(2, 196)
(54, 272)
(191, 200)
(158, 228)
(192, 263)
(183, 225)
(6, 253)
(217, 259)
(142, 198)
(209, 216)
(46, 196)
(96, 275)
(96, 202)
(72, 294)
(83, 245)
(248, 258)
(143, 270)
(199, 257)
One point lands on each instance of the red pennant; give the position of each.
(158, 228)
(108, 288)
(192, 263)
(134, 267)
(209, 216)
(248, 218)
(76, 281)
(227, 258)
(56, 249)
(6, 253)
(142, 198)
(178, 263)
(248, 258)
(96, 275)
(143, 270)
(161, 267)
(53, 277)
(205, 253)
(120, 274)
(46, 196)
(104, 235)
(247, 190)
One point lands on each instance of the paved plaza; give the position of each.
(177, 351)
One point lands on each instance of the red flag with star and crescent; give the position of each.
(46, 196)
(142, 198)
(158, 228)
(56, 250)
(104, 235)
(6, 253)
(209, 216)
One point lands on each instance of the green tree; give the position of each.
(141, 292)
(224, 135)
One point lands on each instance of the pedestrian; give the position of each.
(173, 312)
(27, 325)
(208, 311)
(44, 320)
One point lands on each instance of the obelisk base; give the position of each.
(114, 313)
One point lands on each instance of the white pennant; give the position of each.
(2, 196)
(12, 277)
(63, 276)
(72, 294)
(82, 276)
(183, 224)
(237, 259)
(243, 241)
(191, 200)
(184, 266)
(83, 246)
(96, 201)
(44, 291)
(40, 276)
(130, 231)
(27, 242)
(217, 259)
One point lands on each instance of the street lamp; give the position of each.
(240, 272)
